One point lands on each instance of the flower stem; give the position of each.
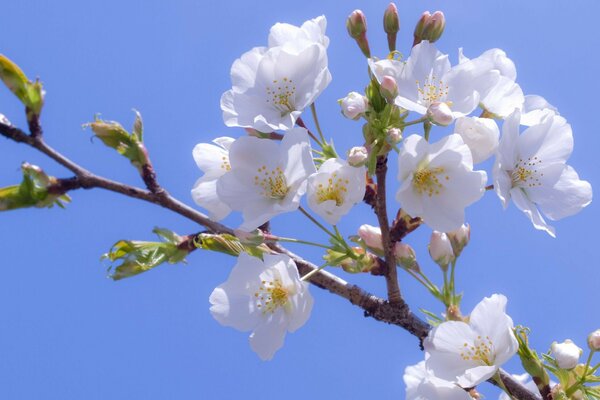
(292, 240)
(426, 129)
(320, 225)
(313, 110)
(301, 124)
(314, 271)
(416, 121)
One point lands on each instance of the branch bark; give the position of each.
(391, 312)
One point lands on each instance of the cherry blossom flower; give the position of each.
(272, 86)
(266, 178)
(335, 189)
(426, 79)
(531, 170)
(354, 105)
(421, 384)
(265, 297)
(480, 134)
(213, 160)
(494, 76)
(438, 181)
(470, 353)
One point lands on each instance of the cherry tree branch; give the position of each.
(391, 273)
(391, 312)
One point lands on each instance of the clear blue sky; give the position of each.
(67, 332)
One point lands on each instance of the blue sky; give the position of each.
(70, 333)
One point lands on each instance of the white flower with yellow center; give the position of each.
(438, 181)
(272, 86)
(335, 189)
(265, 297)
(421, 384)
(470, 353)
(213, 160)
(426, 78)
(531, 170)
(267, 178)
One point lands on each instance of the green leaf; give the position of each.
(129, 145)
(136, 256)
(33, 191)
(31, 94)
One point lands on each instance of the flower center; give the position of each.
(432, 90)
(281, 95)
(526, 174)
(225, 163)
(334, 190)
(272, 183)
(480, 350)
(427, 180)
(270, 296)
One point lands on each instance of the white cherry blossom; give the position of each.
(426, 78)
(421, 384)
(531, 170)
(534, 109)
(470, 353)
(267, 178)
(566, 354)
(335, 189)
(213, 160)
(480, 134)
(438, 181)
(265, 297)
(494, 76)
(272, 86)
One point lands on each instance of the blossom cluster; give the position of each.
(268, 171)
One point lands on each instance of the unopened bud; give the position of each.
(440, 114)
(254, 238)
(391, 25)
(357, 29)
(356, 24)
(389, 88)
(394, 136)
(354, 105)
(460, 238)
(440, 249)
(594, 340)
(566, 354)
(371, 235)
(405, 256)
(357, 156)
(430, 27)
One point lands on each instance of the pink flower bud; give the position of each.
(460, 238)
(391, 22)
(440, 249)
(440, 114)
(389, 88)
(429, 27)
(394, 136)
(371, 235)
(594, 340)
(354, 105)
(566, 354)
(405, 256)
(356, 24)
(357, 156)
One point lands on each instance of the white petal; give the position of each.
(535, 109)
(551, 141)
(296, 156)
(205, 195)
(567, 197)
(413, 376)
(475, 376)
(524, 204)
(480, 134)
(269, 335)
(211, 159)
(243, 70)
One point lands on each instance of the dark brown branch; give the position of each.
(391, 275)
(389, 312)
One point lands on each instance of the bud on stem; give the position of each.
(357, 29)
(429, 27)
(391, 25)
